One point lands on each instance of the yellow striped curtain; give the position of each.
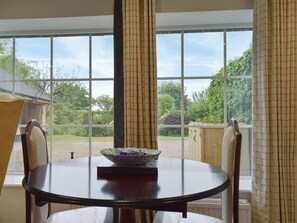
(10, 113)
(140, 84)
(274, 190)
(140, 74)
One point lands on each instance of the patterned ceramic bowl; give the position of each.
(130, 156)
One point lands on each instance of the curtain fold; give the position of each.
(118, 75)
(274, 192)
(140, 74)
(135, 87)
(10, 113)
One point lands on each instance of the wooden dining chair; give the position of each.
(231, 149)
(35, 153)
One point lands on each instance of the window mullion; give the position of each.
(225, 79)
(182, 108)
(90, 96)
(51, 97)
(13, 65)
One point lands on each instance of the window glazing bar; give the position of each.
(182, 98)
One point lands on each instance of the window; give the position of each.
(204, 79)
(67, 82)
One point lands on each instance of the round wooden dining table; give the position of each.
(76, 181)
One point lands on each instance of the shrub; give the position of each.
(172, 119)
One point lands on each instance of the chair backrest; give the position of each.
(231, 150)
(35, 154)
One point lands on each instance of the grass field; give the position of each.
(63, 145)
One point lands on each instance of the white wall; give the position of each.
(17, 9)
(14, 9)
(12, 205)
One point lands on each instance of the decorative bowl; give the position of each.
(130, 156)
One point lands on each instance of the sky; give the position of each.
(203, 56)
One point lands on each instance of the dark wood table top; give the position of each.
(75, 182)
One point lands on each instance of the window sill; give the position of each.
(13, 180)
(245, 184)
(245, 188)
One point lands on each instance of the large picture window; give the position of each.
(204, 79)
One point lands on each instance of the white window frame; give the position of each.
(90, 79)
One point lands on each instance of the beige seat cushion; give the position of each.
(37, 148)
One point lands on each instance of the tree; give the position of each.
(166, 104)
(103, 115)
(71, 103)
(208, 106)
(174, 90)
(22, 69)
(215, 99)
(105, 109)
(70, 98)
(169, 107)
(172, 118)
(199, 95)
(239, 97)
(239, 94)
(198, 110)
(6, 55)
(72, 94)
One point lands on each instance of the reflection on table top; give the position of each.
(75, 182)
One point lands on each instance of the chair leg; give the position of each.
(116, 215)
(28, 207)
(127, 215)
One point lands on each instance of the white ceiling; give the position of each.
(165, 21)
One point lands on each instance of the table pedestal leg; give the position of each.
(123, 215)
(116, 215)
(127, 215)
